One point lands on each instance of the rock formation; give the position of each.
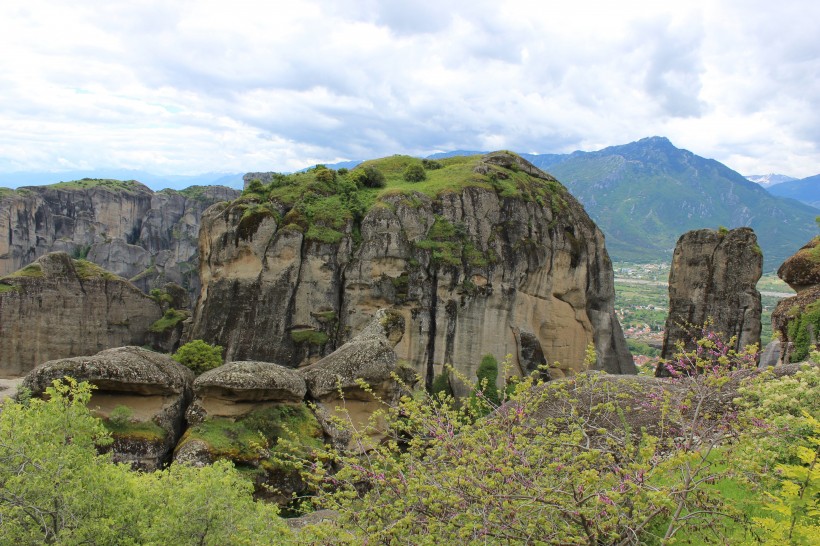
(124, 227)
(154, 387)
(57, 307)
(797, 319)
(496, 253)
(240, 412)
(714, 276)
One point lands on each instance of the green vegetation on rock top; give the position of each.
(130, 186)
(322, 203)
(89, 270)
(6, 192)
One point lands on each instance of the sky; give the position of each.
(186, 87)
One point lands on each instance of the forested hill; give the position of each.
(643, 195)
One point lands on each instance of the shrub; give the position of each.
(199, 356)
(487, 377)
(414, 173)
(369, 177)
(120, 415)
(323, 174)
(431, 164)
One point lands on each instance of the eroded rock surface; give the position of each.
(153, 386)
(714, 276)
(149, 237)
(57, 307)
(466, 269)
(797, 319)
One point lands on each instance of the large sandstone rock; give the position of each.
(272, 292)
(150, 237)
(802, 273)
(238, 388)
(714, 276)
(359, 378)
(155, 387)
(57, 307)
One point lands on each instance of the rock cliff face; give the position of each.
(797, 319)
(714, 274)
(57, 307)
(124, 227)
(496, 253)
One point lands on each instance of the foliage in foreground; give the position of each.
(56, 489)
(571, 462)
(567, 462)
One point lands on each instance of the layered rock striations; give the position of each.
(488, 255)
(149, 237)
(57, 307)
(713, 277)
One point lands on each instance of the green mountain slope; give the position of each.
(645, 194)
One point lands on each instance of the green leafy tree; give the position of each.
(414, 173)
(487, 374)
(199, 356)
(368, 177)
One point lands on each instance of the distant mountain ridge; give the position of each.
(645, 194)
(805, 190)
(767, 180)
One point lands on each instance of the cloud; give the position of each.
(194, 86)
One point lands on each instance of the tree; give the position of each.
(199, 356)
(414, 173)
(56, 489)
(368, 176)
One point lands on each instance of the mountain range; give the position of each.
(806, 190)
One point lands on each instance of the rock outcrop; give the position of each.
(797, 319)
(240, 412)
(149, 237)
(154, 388)
(502, 254)
(57, 307)
(714, 276)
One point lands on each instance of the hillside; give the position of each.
(805, 190)
(645, 194)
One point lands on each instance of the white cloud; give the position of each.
(193, 86)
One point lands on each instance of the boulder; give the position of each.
(154, 387)
(237, 388)
(802, 270)
(713, 277)
(58, 307)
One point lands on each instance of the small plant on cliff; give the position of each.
(199, 356)
(120, 415)
(368, 177)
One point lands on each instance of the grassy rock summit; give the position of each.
(123, 226)
(475, 253)
(57, 307)
(797, 319)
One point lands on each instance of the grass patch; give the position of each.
(139, 430)
(7, 288)
(6, 192)
(89, 270)
(245, 439)
(309, 335)
(109, 184)
(323, 234)
(169, 320)
(32, 270)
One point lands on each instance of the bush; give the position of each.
(120, 415)
(431, 164)
(323, 174)
(487, 377)
(369, 177)
(199, 356)
(414, 173)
